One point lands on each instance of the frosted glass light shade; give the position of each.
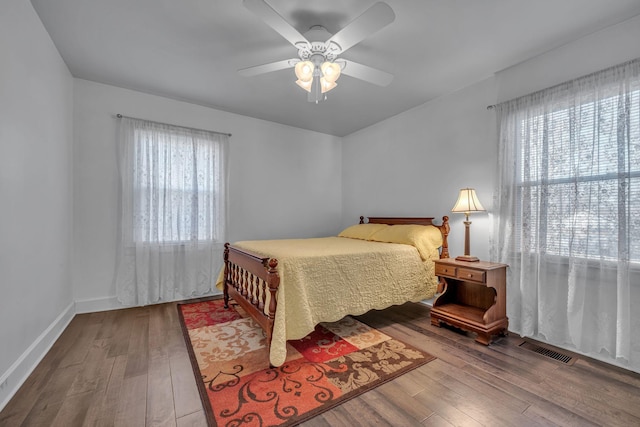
(330, 71)
(327, 85)
(305, 85)
(304, 71)
(324, 76)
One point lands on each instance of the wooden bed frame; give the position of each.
(248, 278)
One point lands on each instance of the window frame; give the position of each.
(524, 186)
(173, 132)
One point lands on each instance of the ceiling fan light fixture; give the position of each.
(330, 71)
(318, 67)
(304, 71)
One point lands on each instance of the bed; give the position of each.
(289, 286)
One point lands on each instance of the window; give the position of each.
(568, 213)
(173, 183)
(172, 211)
(580, 179)
(176, 187)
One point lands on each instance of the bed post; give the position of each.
(444, 229)
(273, 282)
(225, 282)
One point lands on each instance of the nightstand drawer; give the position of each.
(445, 270)
(471, 275)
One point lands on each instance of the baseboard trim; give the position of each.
(93, 305)
(18, 373)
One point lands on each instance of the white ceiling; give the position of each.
(190, 50)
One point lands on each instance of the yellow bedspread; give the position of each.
(325, 279)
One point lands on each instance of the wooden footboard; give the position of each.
(253, 281)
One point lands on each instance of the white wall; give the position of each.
(284, 181)
(36, 138)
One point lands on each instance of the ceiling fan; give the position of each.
(318, 65)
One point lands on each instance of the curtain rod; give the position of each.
(118, 115)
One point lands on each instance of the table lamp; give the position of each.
(467, 202)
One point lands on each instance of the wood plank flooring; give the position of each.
(131, 368)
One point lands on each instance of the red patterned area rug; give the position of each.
(336, 362)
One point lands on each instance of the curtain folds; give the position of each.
(568, 214)
(172, 211)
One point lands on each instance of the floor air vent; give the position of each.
(547, 352)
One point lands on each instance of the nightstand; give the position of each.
(474, 297)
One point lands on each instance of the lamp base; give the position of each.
(467, 258)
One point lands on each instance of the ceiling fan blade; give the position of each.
(275, 21)
(267, 68)
(373, 19)
(366, 73)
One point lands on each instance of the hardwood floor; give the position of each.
(131, 368)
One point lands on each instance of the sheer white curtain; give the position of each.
(173, 211)
(568, 214)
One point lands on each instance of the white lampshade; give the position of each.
(468, 202)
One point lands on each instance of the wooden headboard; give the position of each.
(444, 227)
